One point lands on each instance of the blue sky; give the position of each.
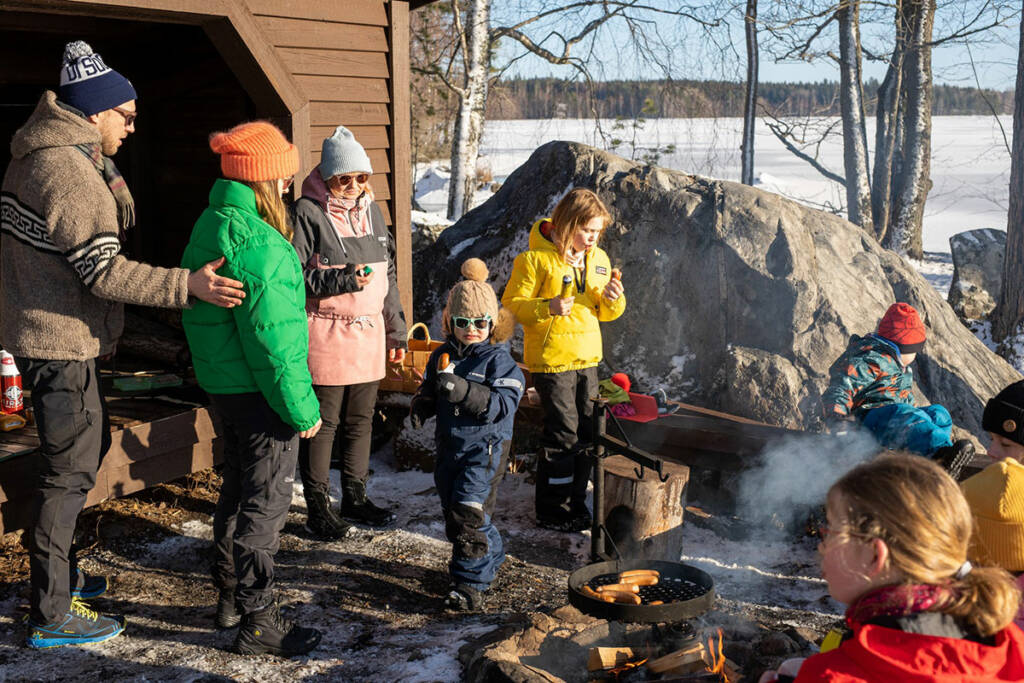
(697, 56)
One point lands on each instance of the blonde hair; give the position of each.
(271, 206)
(911, 504)
(575, 210)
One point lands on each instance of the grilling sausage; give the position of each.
(639, 572)
(619, 587)
(639, 580)
(622, 597)
(589, 592)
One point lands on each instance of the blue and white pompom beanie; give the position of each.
(89, 85)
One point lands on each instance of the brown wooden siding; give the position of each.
(338, 54)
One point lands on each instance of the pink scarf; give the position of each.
(898, 601)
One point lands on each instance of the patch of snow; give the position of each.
(429, 218)
(937, 269)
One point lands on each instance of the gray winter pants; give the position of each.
(260, 453)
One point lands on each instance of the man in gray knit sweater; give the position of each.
(64, 211)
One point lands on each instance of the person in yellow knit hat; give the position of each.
(996, 494)
(560, 290)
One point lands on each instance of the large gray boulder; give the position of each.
(738, 299)
(977, 272)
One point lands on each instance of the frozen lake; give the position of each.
(970, 164)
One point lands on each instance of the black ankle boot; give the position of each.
(321, 521)
(267, 632)
(228, 615)
(356, 507)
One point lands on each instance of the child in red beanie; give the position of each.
(873, 384)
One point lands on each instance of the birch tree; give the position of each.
(562, 34)
(750, 98)
(851, 102)
(475, 43)
(887, 199)
(911, 182)
(1009, 312)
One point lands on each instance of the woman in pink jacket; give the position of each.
(356, 326)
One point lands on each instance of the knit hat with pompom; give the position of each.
(472, 297)
(89, 85)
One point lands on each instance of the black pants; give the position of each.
(563, 469)
(259, 469)
(350, 408)
(74, 435)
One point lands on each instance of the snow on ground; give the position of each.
(970, 165)
(167, 642)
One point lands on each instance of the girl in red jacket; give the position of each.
(895, 551)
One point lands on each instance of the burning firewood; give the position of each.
(687, 660)
(613, 657)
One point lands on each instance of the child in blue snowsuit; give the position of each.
(873, 384)
(475, 399)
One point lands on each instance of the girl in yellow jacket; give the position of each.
(560, 290)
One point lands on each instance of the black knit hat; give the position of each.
(1004, 413)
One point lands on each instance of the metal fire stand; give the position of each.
(604, 445)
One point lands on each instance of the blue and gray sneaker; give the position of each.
(79, 625)
(92, 586)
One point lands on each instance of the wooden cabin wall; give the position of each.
(349, 58)
(167, 162)
(338, 54)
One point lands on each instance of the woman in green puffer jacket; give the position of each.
(251, 360)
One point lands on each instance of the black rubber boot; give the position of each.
(581, 475)
(954, 458)
(555, 479)
(463, 598)
(228, 615)
(321, 521)
(267, 632)
(356, 507)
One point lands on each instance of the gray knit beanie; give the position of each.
(342, 154)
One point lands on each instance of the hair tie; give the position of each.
(964, 570)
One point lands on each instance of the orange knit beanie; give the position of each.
(255, 151)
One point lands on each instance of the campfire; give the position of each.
(695, 661)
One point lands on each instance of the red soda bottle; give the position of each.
(10, 385)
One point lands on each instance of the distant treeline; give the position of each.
(543, 98)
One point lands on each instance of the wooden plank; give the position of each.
(154, 439)
(370, 137)
(293, 32)
(265, 77)
(343, 88)
(133, 477)
(385, 210)
(334, 62)
(348, 114)
(378, 158)
(401, 148)
(300, 136)
(370, 12)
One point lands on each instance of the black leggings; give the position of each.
(349, 408)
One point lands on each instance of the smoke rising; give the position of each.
(794, 474)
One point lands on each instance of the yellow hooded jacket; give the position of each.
(574, 341)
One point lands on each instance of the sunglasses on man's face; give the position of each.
(128, 116)
(346, 180)
(479, 323)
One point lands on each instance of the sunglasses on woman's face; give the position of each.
(479, 323)
(346, 180)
